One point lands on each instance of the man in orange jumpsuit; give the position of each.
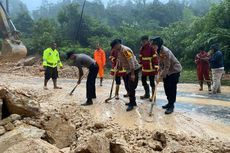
(202, 63)
(100, 58)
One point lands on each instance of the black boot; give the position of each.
(129, 108)
(165, 106)
(201, 85)
(209, 86)
(101, 80)
(88, 102)
(169, 110)
(146, 95)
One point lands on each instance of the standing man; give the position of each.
(170, 69)
(202, 62)
(128, 60)
(100, 58)
(217, 67)
(119, 73)
(149, 63)
(51, 60)
(80, 61)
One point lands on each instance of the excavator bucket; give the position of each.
(12, 47)
(12, 50)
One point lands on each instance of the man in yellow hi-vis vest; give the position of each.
(51, 60)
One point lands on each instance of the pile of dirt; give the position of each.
(73, 127)
(33, 67)
(69, 128)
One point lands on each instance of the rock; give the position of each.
(65, 150)
(99, 125)
(109, 134)
(15, 117)
(9, 126)
(119, 146)
(160, 137)
(95, 144)
(2, 130)
(19, 103)
(32, 146)
(59, 132)
(9, 119)
(27, 62)
(19, 134)
(156, 146)
(30, 61)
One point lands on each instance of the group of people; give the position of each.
(205, 60)
(155, 60)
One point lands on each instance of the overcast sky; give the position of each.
(34, 4)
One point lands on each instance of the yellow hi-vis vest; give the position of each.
(51, 58)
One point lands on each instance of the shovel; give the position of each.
(153, 98)
(111, 90)
(71, 93)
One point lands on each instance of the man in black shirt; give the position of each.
(80, 61)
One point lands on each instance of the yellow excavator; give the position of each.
(12, 47)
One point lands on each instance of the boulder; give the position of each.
(9, 126)
(95, 144)
(2, 130)
(32, 146)
(10, 119)
(59, 132)
(19, 134)
(119, 146)
(19, 103)
(27, 62)
(160, 137)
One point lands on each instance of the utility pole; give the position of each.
(79, 25)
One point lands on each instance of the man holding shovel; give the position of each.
(128, 61)
(80, 61)
(170, 69)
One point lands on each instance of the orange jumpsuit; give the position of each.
(100, 58)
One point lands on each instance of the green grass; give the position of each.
(189, 76)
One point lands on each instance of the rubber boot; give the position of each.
(117, 92)
(146, 95)
(101, 80)
(201, 86)
(209, 86)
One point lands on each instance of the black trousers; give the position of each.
(151, 80)
(118, 81)
(132, 85)
(170, 86)
(91, 80)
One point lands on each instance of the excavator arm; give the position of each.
(12, 47)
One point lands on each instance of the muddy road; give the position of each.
(196, 113)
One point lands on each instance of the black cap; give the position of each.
(201, 48)
(145, 37)
(215, 47)
(115, 42)
(69, 54)
(156, 40)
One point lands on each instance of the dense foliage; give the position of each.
(184, 25)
